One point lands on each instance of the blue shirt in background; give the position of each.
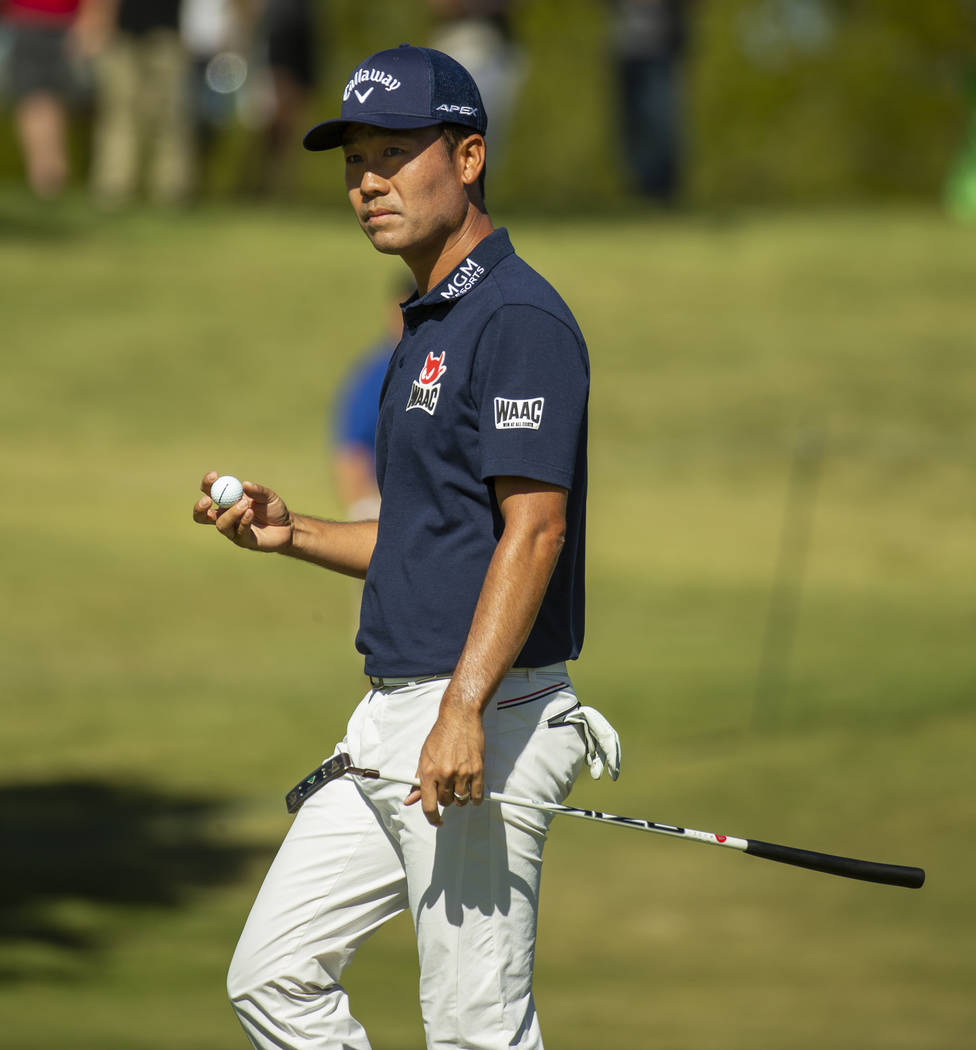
(357, 402)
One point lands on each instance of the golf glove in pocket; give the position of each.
(601, 740)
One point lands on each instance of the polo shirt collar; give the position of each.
(466, 276)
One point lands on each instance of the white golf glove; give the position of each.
(602, 742)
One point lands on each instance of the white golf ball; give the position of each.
(226, 491)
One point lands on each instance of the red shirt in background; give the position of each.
(49, 12)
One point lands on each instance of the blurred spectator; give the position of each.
(217, 35)
(290, 33)
(354, 418)
(649, 40)
(43, 80)
(480, 34)
(142, 112)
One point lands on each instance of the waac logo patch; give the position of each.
(518, 413)
(427, 389)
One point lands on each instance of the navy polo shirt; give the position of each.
(491, 377)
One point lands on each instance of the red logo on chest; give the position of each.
(433, 368)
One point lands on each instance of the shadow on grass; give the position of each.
(92, 842)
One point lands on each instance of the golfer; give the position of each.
(472, 603)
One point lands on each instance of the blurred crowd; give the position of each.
(163, 79)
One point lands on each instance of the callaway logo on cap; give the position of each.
(405, 87)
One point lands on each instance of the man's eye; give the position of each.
(392, 151)
(353, 158)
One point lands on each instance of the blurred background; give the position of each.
(763, 214)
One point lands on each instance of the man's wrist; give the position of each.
(465, 703)
(292, 548)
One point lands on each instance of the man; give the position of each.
(483, 36)
(46, 43)
(142, 113)
(354, 413)
(472, 603)
(650, 44)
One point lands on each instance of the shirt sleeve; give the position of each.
(532, 385)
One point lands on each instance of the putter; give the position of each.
(847, 867)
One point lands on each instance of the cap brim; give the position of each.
(328, 134)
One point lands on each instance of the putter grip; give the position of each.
(867, 870)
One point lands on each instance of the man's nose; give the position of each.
(373, 185)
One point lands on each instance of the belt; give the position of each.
(395, 682)
(386, 682)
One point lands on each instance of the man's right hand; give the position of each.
(259, 520)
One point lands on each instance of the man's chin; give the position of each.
(384, 241)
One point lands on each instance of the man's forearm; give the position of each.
(453, 755)
(342, 546)
(515, 584)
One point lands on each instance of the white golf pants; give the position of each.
(355, 856)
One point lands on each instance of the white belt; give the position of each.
(387, 682)
(398, 681)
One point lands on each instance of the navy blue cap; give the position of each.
(404, 87)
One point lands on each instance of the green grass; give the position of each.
(143, 349)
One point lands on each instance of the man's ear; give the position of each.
(471, 156)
